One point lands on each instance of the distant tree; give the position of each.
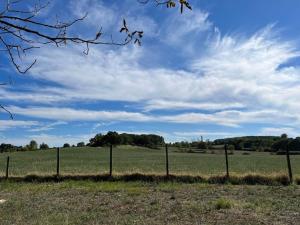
(284, 136)
(80, 144)
(9, 148)
(96, 141)
(44, 146)
(294, 144)
(66, 145)
(280, 145)
(33, 145)
(202, 145)
(146, 140)
(112, 138)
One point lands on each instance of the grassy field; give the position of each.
(117, 202)
(127, 159)
(74, 203)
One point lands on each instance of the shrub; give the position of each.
(66, 145)
(223, 204)
(43, 146)
(80, 144)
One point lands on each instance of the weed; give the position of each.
(223, 203)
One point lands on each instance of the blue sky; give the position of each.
(227, 68)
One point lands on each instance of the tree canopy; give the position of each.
(113, 138)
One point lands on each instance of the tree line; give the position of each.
(100, 140)
(113, 138)
(277, 144)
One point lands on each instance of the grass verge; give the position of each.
(249, 179)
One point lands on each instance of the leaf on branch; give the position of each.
(124, 28)
(171, 4)
(98, 35)
(141, 33)
(184, 3)
(137, 41)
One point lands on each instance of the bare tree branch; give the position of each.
(22, 31)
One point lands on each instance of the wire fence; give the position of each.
(165, 161)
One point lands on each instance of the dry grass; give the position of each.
(248, 179)
(147, 203)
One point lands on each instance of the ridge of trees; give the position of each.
(113, 138)
(276, 144)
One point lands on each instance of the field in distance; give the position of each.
(129, 159)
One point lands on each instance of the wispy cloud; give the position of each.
(9, 124)
(51, 140)
(69, 114)
(49, 126)
(277, 131)
(235, 79)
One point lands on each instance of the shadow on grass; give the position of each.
(250, 179)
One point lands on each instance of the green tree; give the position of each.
(66, 145)
(112, 138)
(44, 146)
(284, 136)
(33, 145)
(80, 144)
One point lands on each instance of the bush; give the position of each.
(44, 146)
(66, 145)
(223, 204)
(80, 144)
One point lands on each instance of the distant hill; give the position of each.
(254, 143)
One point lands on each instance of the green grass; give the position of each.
(223, 203)
(109, 203)
(127, 159)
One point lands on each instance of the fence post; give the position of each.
(289, 164)
(7, 167)
(110, 160)
(226, 159)
(167, 161)
(57, 162)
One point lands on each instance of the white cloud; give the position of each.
(184, 30)
(231, 118)
(238, 79)
(49, 126)
(9, 124)
(196, 135)
(69, 114)
(277, 131)
(111, 18)
(51, 140)
(165, 105)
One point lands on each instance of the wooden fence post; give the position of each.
(289, 164)
(167, 161)
(226, 159)
(57, 162)
(110, 160)
(7, 167)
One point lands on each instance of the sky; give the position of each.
(227, 68)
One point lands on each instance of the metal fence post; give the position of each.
(110, 160)
(289, 164)
(7, 167)
(167, 161)
(57, 162)
(226, 159)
